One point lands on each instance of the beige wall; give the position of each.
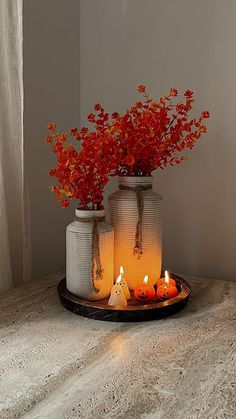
(51, 85)
(183, 44)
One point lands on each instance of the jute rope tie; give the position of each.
(138, 242)
(96, 266)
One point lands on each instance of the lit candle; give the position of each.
(166, 280)
(123, 284)
(117, 297)
(144, 292)
(167, 290)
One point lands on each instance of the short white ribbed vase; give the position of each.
(123, 215)
(79, 256)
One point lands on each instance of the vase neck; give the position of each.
(86, 214)
(133, 182)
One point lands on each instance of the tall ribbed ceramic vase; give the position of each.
(135, 213)
(90, 255)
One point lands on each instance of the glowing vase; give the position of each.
(135, 213)
(89, 240)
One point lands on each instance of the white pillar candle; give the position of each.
(122, 282)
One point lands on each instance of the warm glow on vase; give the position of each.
(124, 218)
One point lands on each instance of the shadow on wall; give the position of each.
(199, 220)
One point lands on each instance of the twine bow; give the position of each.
(96, 266)
(138, 242)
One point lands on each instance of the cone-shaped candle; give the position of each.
(123, 284)
(117, 297)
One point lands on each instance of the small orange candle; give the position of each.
(145, 292)
(167, 290)
(163, 281)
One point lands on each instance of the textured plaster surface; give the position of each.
(54, 364)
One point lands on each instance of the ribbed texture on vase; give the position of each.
(135, 181)
(79, 259)
(123, 215)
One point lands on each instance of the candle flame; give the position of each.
(119, 279)
(167, 279)
(145, 280)
(121, 270)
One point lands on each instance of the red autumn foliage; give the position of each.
(82, 174)
(153, 134)
(149, 135)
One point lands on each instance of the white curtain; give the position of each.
(14, 212)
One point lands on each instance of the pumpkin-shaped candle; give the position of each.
(145, 292)
(165, 280)
(167, 290)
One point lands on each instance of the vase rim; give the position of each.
(135, 177)
(135, 181)
(84, 213)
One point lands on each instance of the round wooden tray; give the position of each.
(135, 311)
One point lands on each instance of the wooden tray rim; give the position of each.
(182, 284)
